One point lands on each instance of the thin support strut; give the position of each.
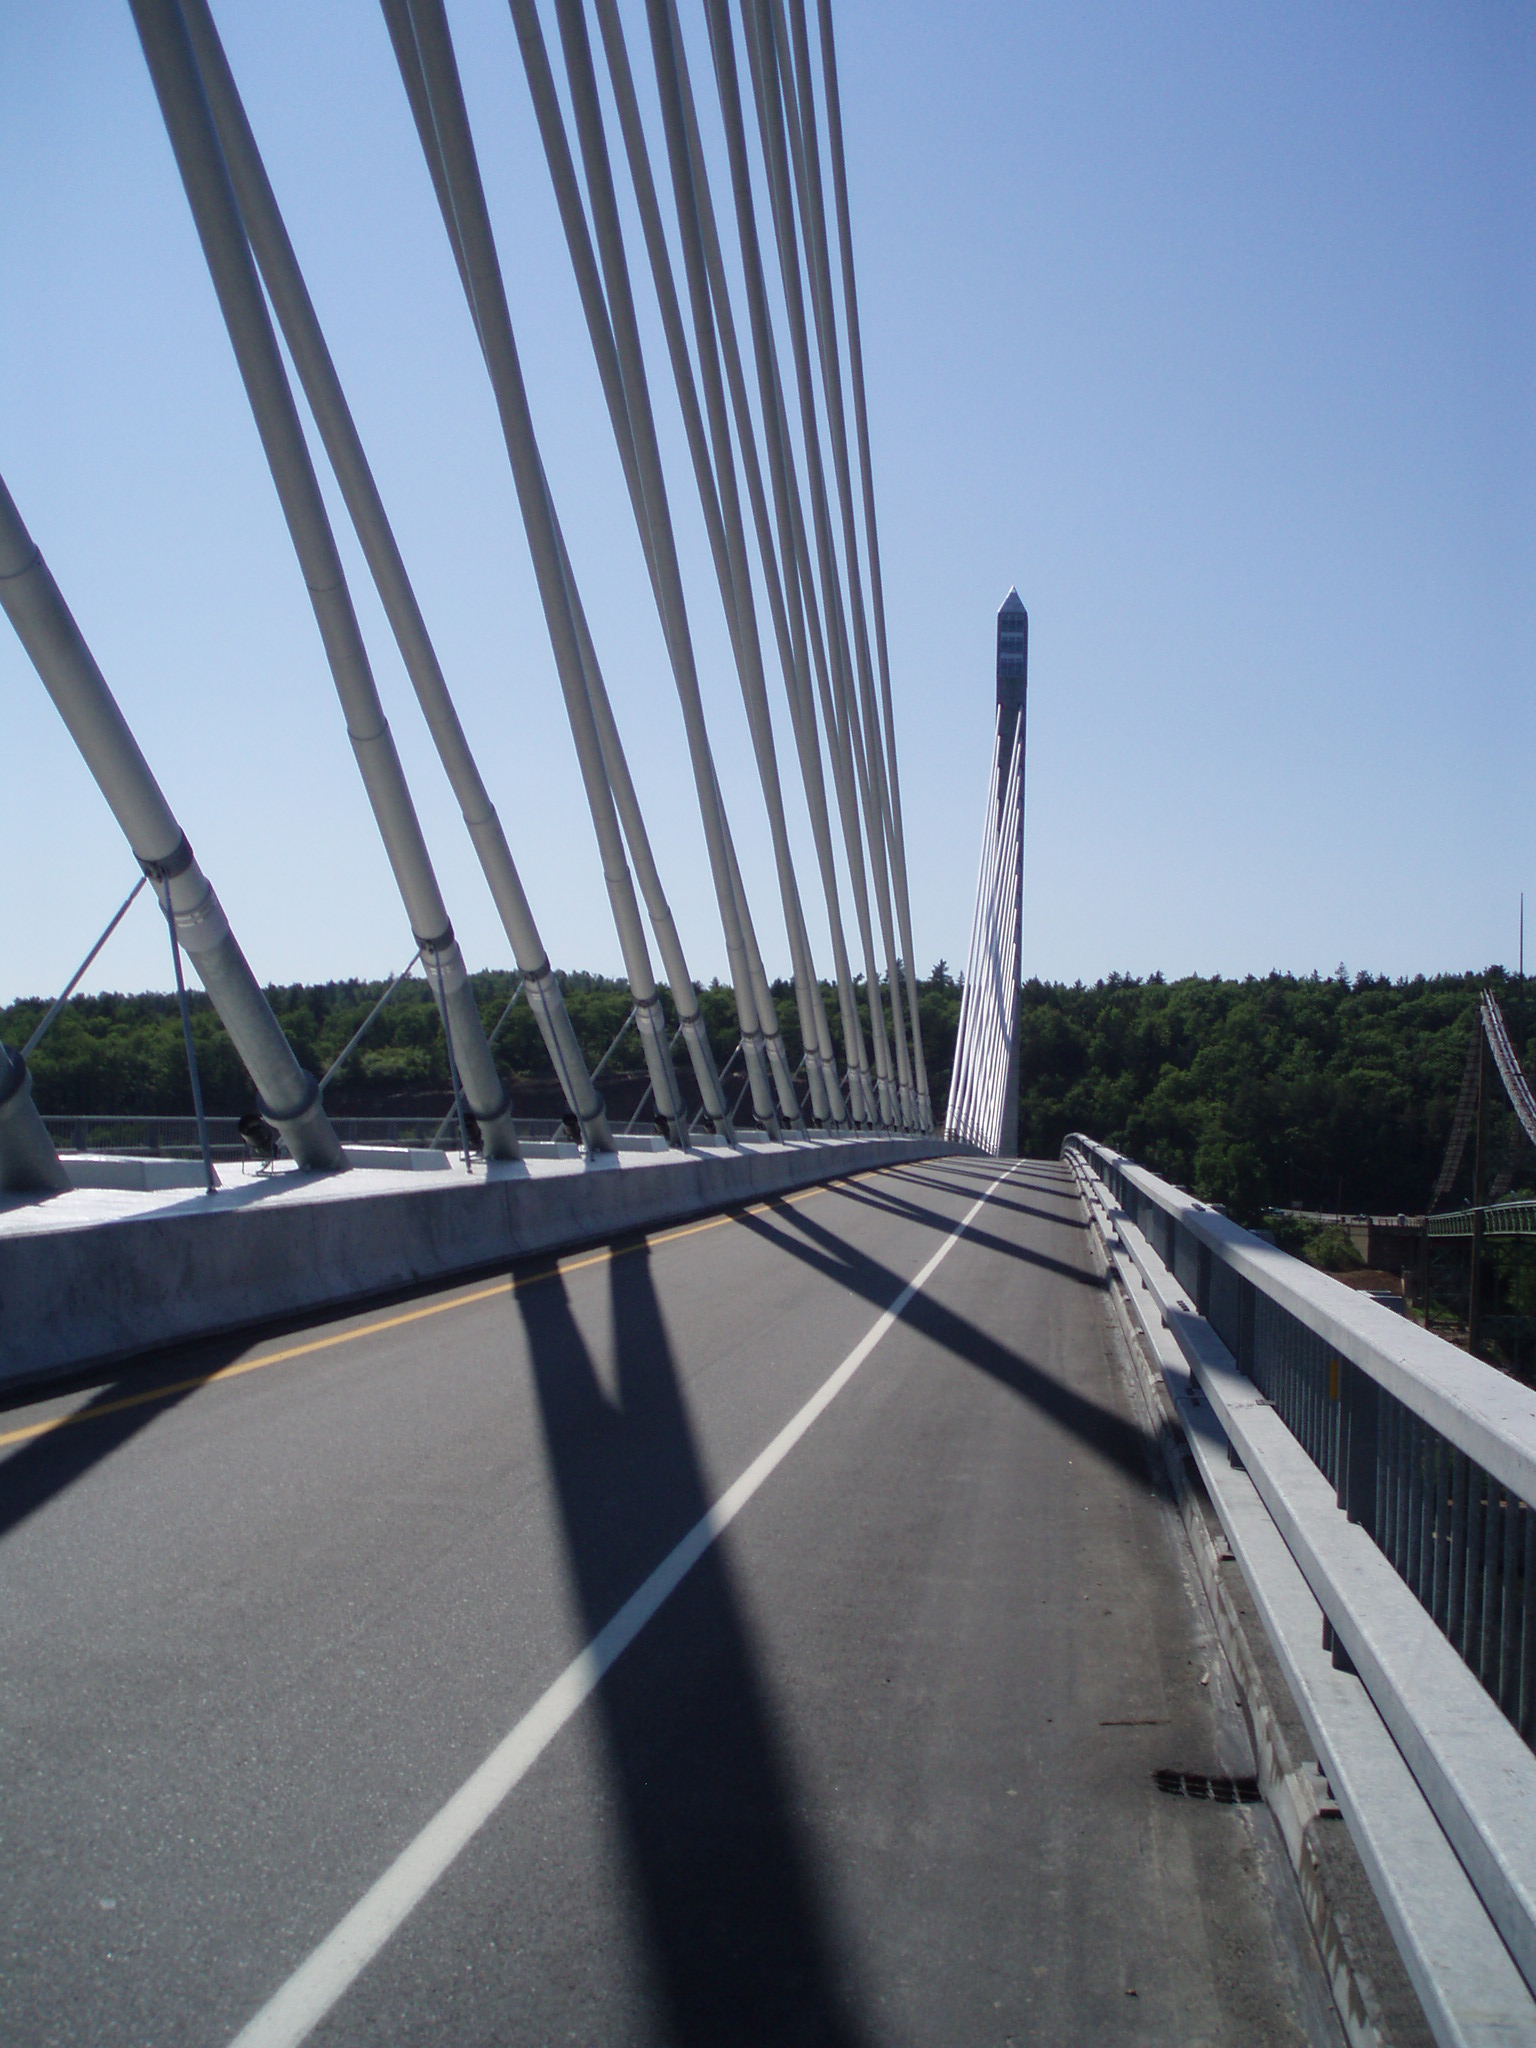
(366, 1026)
(45, 1023)
(45, 626)
(204, 1146)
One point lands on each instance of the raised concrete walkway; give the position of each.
(102, 1273)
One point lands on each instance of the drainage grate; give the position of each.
(1195, 1785)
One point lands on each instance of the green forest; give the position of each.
(1330, 1093)
(123, 1054)
(1324, 1093)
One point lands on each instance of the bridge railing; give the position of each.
(1431, 1452)
(1428, 1453)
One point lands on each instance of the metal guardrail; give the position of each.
(175, 1137)
(1431, 1452)
(1427, 1578)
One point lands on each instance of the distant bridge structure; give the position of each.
(1490, 1057)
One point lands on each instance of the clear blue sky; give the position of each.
(1212, 328)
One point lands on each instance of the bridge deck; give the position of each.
(879, 1770)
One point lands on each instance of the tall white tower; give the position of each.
(984, 1088)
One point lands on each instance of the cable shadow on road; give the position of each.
(941, 1224)
(999, 1201)
(37, 1471)
(739, 1935)
(1117, 1441)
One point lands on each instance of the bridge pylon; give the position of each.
(984, 1086)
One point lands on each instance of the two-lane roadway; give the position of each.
(665, 1647)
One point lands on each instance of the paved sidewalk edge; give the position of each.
(1294, 1794)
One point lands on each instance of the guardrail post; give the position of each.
(1203, 1280)
(1360, 1410)
(1472, 1617)
(1479, 1196)
(1247, 1305)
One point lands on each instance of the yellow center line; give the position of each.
(396, 1322)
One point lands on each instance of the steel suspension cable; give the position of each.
(1461, 1120)
(589, 285)
(717, 483)
(805, 158)
(798, 596)
(960, 1072)
(771, 123)
(221, 229)
(803, 580)
(44, 624)
(338, 432)
(613, 326)
(978, 1087)
(429, 70)
(789, 630)
(691, 1025)
(49, 1017)
(871, 532)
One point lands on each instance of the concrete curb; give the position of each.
(1295, 1794)
(81, 1288)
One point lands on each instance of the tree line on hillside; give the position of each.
(1330, 1093)
(1323, 1093)
(124, 1054)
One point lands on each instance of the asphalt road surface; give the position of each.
(877, 1767)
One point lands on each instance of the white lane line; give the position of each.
(294, 2011)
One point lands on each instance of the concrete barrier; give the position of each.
(94, 1275)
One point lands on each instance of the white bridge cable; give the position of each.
(829, 664)
(799, 111)
(968, 1064)
(691, 1026)
(959, 1080)
(867, 483)
(789, 634)
(799, 590)
(979, 1088)
(984, 1042)
(1005, 1009)
(622, 376)
(1507, 1061)
(690, 1018)
(717, 486)
(221, 230)
(805, 155)
(327, 402)
(429, 71)
(778, 143)
(786, 601)
(609, 307)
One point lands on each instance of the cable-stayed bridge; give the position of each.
(781, 1573)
